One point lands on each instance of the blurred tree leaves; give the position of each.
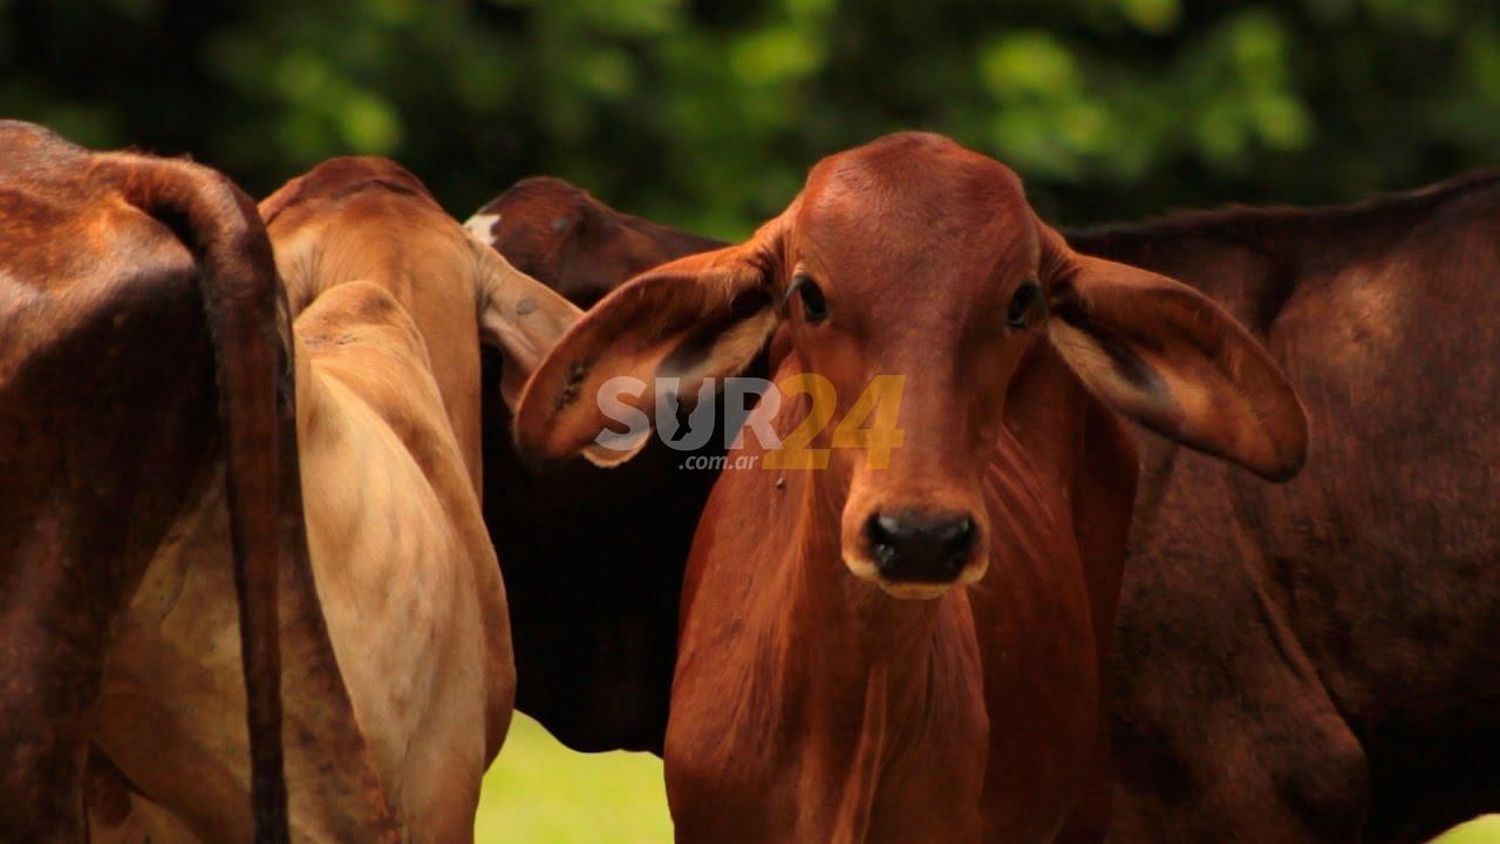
(707, 113)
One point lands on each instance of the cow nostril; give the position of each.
(958, 532)
(890, 529)
(958, 535)
(956, 540)
(883, 531)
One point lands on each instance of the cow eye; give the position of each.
(814, 306)
(1022, 303)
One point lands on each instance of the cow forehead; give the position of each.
(908, 200)
(914, 192)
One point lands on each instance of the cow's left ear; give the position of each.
(1166, 356)
(520, 316)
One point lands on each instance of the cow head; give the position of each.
(562, 236)
(336, 222)
(914, 257)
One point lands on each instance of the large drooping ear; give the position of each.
(519, 315)
(1166, 356)
(703, 316)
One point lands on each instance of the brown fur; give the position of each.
(1283, 762)
(575, 244)
(399, 677)
(1317, 662)
(808, 704)
(124, 277)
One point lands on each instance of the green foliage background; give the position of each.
(707, 113)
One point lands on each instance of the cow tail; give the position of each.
(250, 328)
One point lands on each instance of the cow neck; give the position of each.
(855, 656)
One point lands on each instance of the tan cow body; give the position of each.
(399, 680)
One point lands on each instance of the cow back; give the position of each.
(1328, 636)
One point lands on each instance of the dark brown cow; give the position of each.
(593, 618)
(123, 279)
(1319, 661)
(815, 697)
(577, 245)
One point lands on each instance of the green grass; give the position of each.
(1485, 830)
(539, 792)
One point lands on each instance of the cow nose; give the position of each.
(909, 546)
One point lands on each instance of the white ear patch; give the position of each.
(481, 226)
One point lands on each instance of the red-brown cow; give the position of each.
(123, 279)
(1318, 661)
(808, 704)
(1197, 573)
(594, 620)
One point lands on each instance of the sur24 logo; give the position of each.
(869, 424)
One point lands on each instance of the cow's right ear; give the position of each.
(703, 316)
